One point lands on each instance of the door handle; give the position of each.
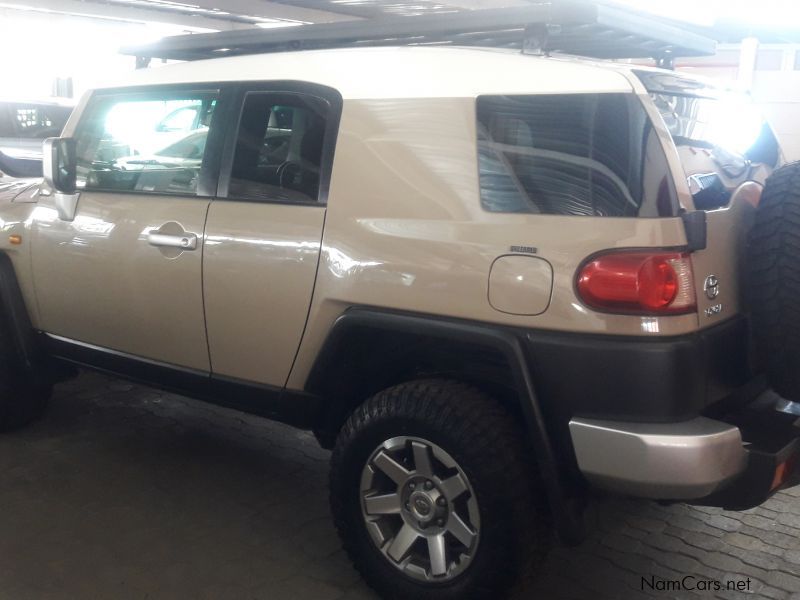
(185, 241)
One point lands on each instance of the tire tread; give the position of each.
(773, 272)
(498, 451)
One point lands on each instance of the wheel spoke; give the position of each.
(402, 542)
(388, 504)
(438, 554)
(421, 512)
(460, 530)
(391, 468)
(422, 459)
(453, 487)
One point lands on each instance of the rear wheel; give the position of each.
(774, 280)
(432, 491)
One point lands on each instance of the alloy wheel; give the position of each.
(420, 509)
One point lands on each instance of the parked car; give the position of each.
(488, 280)
(24, 124)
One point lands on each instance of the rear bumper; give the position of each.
(646, 379)
(691, 459)
(736, 461)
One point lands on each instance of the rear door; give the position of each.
(726, 152)
(264, 230)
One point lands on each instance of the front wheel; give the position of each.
(433, 494)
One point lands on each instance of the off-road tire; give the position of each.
(491, 448)
(773, 281)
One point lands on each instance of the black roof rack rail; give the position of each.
(568, 26)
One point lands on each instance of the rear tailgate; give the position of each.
(722, 151)
(719, 268)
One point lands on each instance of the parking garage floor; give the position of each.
(126, 492)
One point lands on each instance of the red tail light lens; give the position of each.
(638, 283)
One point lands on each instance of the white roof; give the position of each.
(399, 72)
(54, 101)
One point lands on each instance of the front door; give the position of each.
(125, 273)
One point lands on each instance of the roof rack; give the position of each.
(572, 27)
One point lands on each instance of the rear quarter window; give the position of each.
(577, 154)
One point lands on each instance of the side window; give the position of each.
(124, 145)
(180, 119)
(279, 148)
(578, 154)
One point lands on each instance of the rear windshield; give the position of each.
(32, 121)
(576, 154)
(731, 125)
(720, 136)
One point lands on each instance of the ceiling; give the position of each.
(209, 15)
(234, 14)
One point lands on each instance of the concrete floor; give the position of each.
(126, 492)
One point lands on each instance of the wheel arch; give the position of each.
(368, 350)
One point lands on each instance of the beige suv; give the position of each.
(488, 280)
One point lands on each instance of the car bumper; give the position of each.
(736, 461)
(645, 379)
(660, 460)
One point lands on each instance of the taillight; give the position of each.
(641, 283)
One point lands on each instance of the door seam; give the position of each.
(203, 287)
(310, 300)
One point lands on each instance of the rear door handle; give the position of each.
(185, 241)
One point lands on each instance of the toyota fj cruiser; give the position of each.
(487, 279)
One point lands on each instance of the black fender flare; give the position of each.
(565, 504)
(24, 349)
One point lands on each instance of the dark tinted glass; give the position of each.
(153, 142)
(33, 121)
(279, 148)
(579, 154)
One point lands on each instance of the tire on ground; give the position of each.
(773, 281)
(488, 444)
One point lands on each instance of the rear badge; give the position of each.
(711, 287)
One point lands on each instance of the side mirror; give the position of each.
(60, 164)
(60, 167)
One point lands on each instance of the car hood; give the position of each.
(10, 187)
(18, 148)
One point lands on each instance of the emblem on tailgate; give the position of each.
(711, 287)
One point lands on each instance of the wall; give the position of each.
(774, 84)
(37, 47)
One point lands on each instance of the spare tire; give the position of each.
(773, 281)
